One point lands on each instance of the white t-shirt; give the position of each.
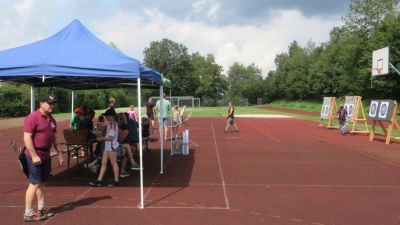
(112, 131)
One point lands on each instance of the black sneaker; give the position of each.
(114, 184)
(46, 213)
(34, 217)
(237, 131)
(135, 167)
(95, 183)
(224, 131)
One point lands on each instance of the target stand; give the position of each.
(329, 109)
(388, 131)
(358, 116)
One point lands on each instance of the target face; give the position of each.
(349, 104)
(351, 109)
(373, 109)
(325, 107)
(383, 111)
(324, 111)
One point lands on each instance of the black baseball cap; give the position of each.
(109, 112)
(48, 99)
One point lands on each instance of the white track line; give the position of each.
(220, 168)
(153, 183)
(118, 207)
(67, 206)
(194, 143)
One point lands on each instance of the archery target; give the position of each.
(325, 107)
(383, 110)
(350, 110)
(324, 111)
(349, 104)
(373, 109)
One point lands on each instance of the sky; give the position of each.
(252, 31)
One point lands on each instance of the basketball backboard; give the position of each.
(380, 62)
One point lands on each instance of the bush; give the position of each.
(14, 109)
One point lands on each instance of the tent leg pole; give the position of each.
(161, 127)
(140, 144)
(32, 98)
(72, 103)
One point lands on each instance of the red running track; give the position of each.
(274, 171)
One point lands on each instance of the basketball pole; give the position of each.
(394, 68)
(371, 82)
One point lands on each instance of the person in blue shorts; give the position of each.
(40, 130)
(163, 118)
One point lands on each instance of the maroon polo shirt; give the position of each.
(42, 129)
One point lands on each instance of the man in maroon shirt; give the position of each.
(39, 135)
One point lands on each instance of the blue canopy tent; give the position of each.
(75, 59)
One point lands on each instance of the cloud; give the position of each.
(237, 12)
(244, 44)
(198, 6)
(242, 31)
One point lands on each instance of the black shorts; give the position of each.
(151, 116)
(39, 173)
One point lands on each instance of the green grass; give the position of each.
(196, 112)
(223, 110)
(308, 106)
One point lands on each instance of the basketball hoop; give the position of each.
(378, 69)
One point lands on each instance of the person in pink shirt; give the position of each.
(132, 113)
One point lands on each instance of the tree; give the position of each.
(245, 82)
(365, 15)
(210, 80)
(297, 71)
(173, 61)
(13, 104)
(386, 34)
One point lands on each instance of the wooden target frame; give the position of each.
(388, 131)
(331, 115)
(356, 119)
